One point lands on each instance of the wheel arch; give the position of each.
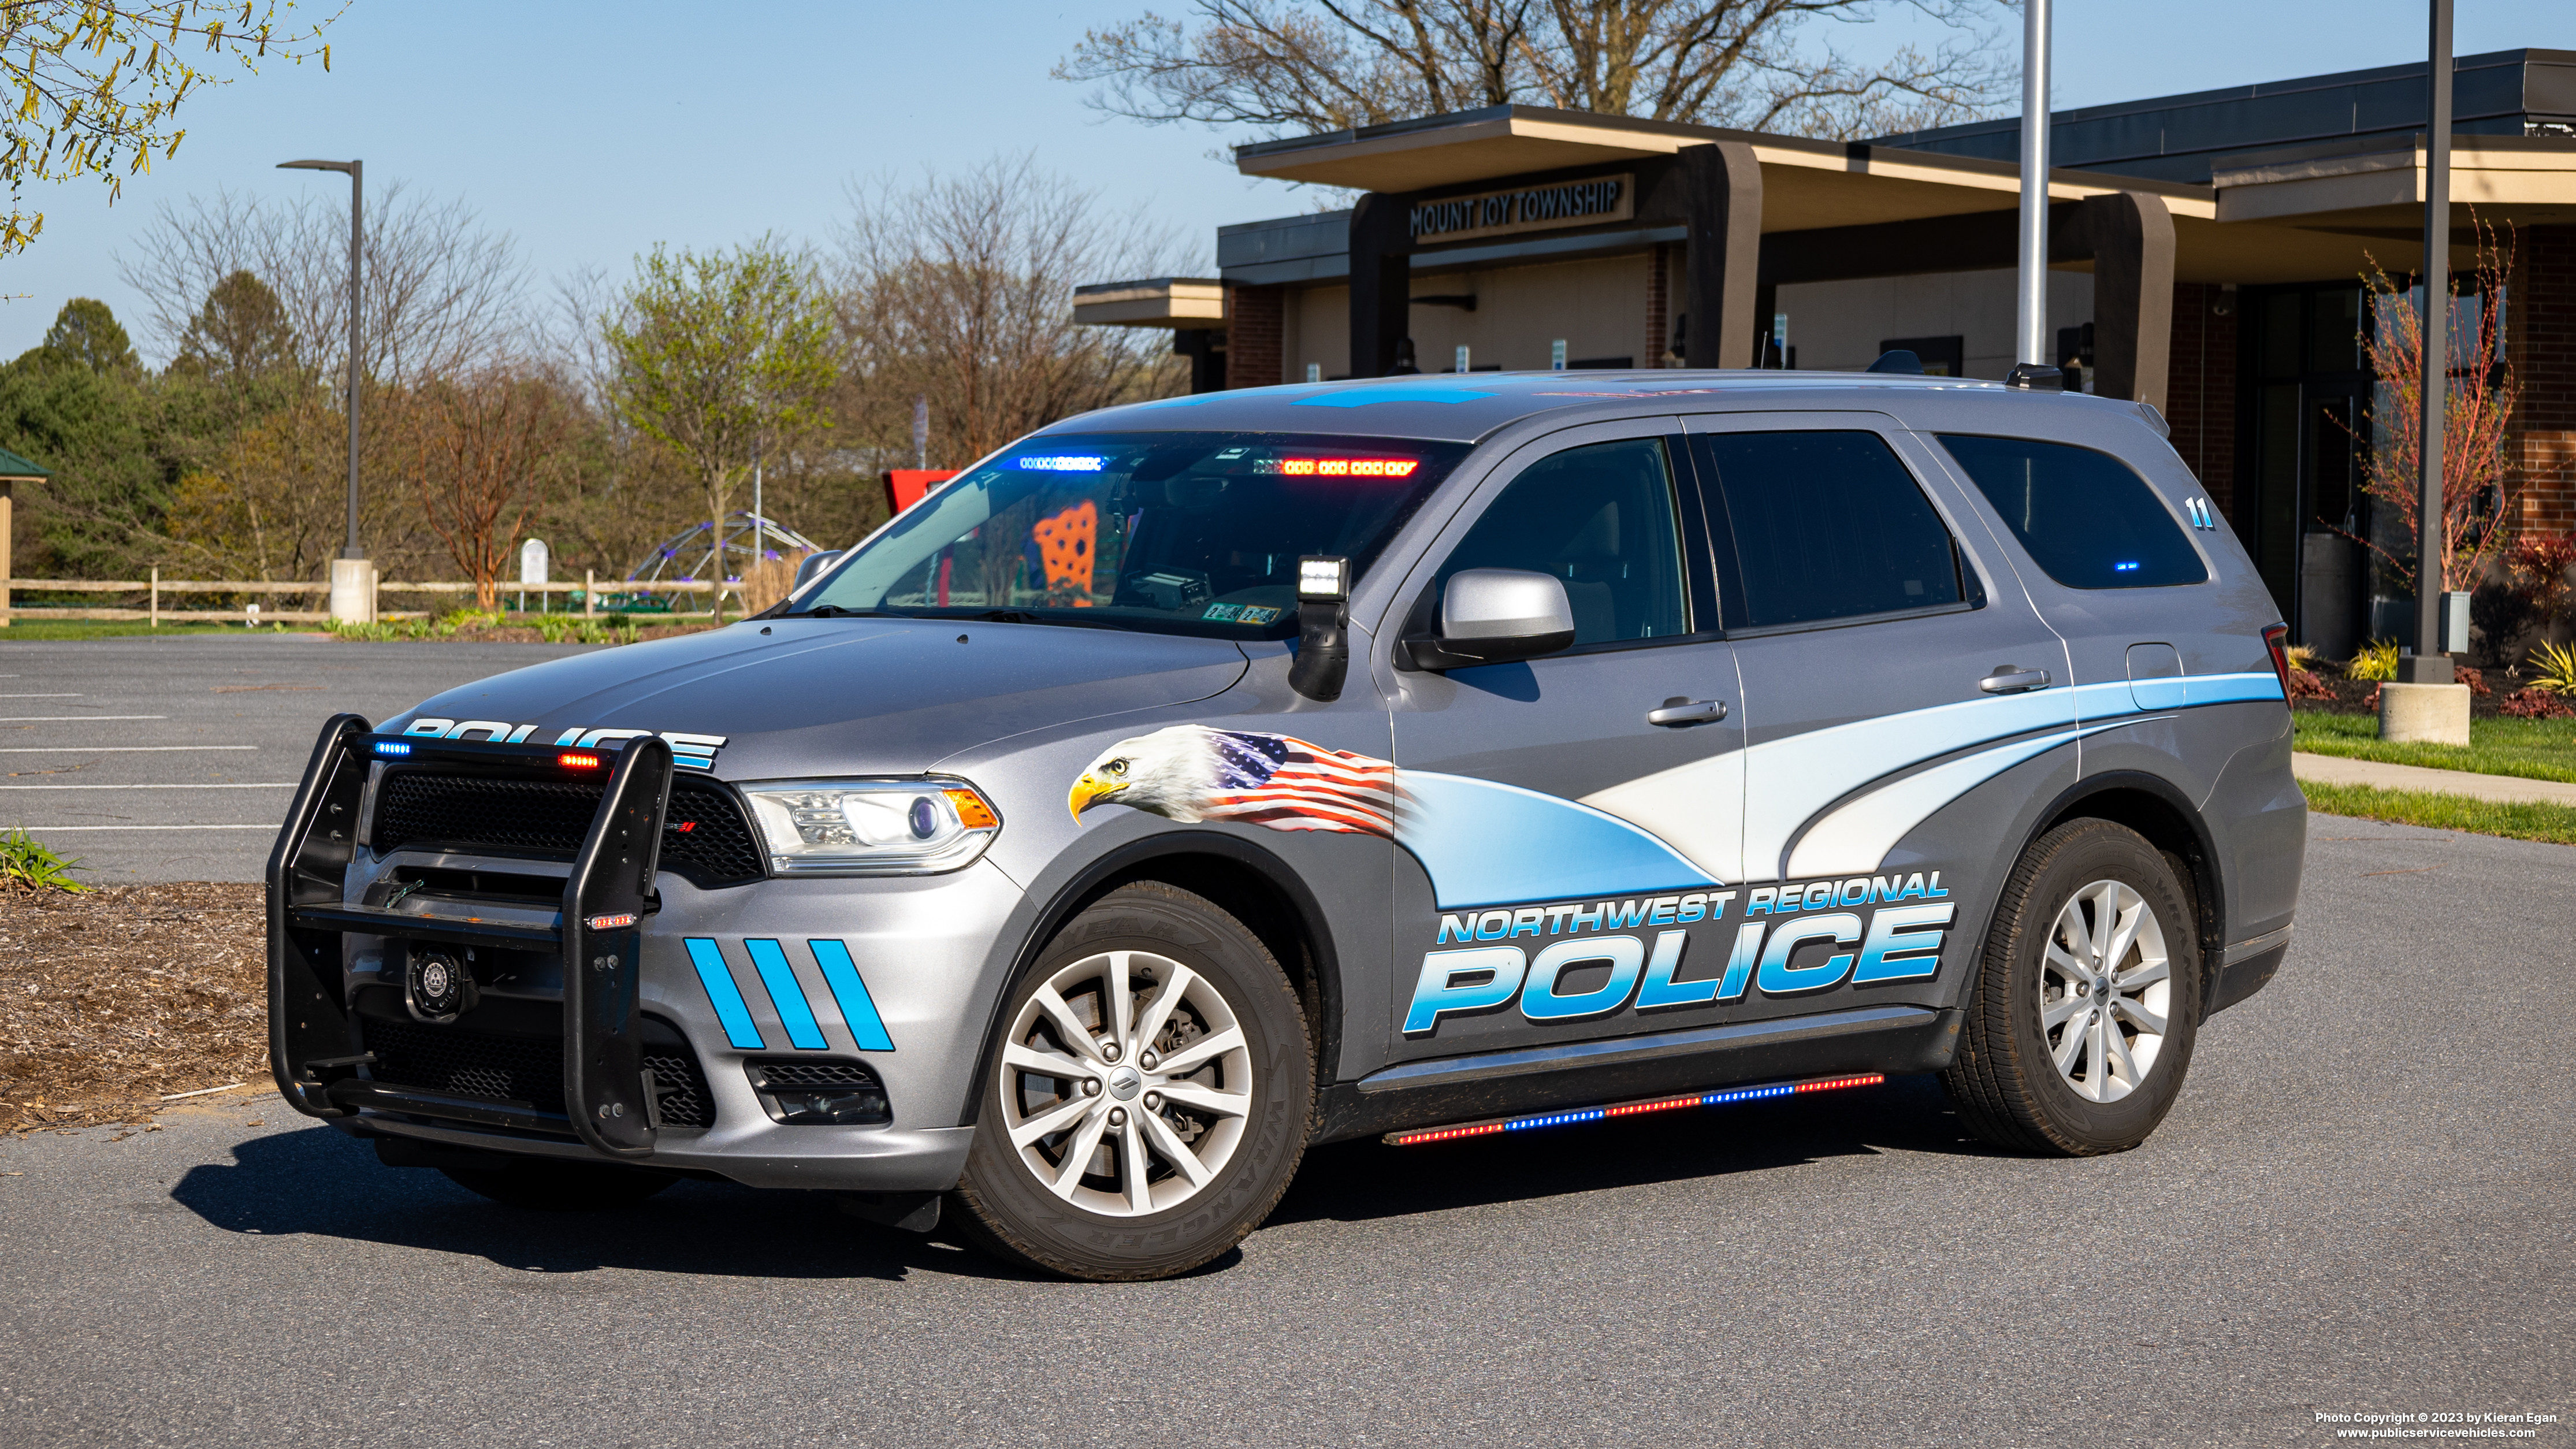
(1252, 884)
(2157, 810)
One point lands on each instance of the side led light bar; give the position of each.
(1569, 1115)
(392, 749)
(573, 761)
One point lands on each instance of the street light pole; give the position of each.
(2031, 348)
(352, 600)
(2430, 664)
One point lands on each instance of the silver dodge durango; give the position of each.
(1420, 758)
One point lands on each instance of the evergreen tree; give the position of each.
(240, 336)
(86, 334)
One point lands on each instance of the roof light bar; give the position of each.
(1570, 1115)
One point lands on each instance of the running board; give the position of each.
(600, 939)
(1568, 1116)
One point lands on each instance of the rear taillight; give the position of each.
(2277, 640)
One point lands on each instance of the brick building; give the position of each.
(2207, 258)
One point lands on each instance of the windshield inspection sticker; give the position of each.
(1240, 613)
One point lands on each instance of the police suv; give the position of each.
(1424, 758)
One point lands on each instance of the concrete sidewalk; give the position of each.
(2509, 789)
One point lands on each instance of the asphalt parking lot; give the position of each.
(175, 758)
(2362, 1203)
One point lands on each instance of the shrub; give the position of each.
(2535, 703)
(28, 865)
(2475, 680)
(2305, 685)
(2539, 565)
(572, 629)
(2553, 669)
(2377, 660)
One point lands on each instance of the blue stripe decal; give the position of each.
(1484, 843)
(786, 995)
(717, 978)
(2111, 699)
(857, 1007)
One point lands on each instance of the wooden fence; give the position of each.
(154, 587)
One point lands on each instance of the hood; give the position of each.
(842, 696)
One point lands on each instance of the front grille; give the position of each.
(716, 845)
(547, 819)
(496, 1067)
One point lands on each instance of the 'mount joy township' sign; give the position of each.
(1526, 208)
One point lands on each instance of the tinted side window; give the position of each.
(1828, 526)
(2086, 518)
(1601, 518)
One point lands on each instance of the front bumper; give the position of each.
(887, 973)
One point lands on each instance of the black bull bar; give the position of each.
(599, 936)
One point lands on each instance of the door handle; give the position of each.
(2013, 679)
(1683, 710)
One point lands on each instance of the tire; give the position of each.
(2043, 1069)
(1159, 1190)
(542, 1184)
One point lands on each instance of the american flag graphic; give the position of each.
(1288, 784)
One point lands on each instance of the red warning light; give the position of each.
(572, 761)
(1349, 467)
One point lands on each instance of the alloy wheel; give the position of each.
(1126, 1082)
(2105, 991)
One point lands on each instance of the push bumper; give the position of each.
(885, 974)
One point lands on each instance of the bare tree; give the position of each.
(483, 451)
(961, 290)
(443, 294)
(1294, 66)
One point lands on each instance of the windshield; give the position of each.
(1172, 532)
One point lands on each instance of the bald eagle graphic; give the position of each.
(1191, 773)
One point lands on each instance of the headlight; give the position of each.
(871, 827)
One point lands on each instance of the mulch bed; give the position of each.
(113, 999)
(2361, 696)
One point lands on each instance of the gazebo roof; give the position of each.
(14, 466)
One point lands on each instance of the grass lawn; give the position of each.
(607, 629)
(2535, 749)
(23, 630)
(2553, 823)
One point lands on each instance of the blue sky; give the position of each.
(590, 131)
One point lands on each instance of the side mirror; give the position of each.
(810, 565)
(1492, 616)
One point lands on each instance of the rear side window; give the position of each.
(2087, 519)
(1827, 525)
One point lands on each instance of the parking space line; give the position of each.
(40, 696)
(70, 718)
(69, 829)
(220, 785)
(112, 749)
